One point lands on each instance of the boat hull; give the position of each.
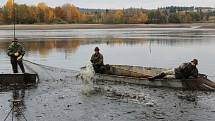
(139, 75)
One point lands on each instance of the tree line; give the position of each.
(68, 13)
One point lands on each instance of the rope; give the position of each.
(47, 67)
(211, 75)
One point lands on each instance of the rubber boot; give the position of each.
(160, 76)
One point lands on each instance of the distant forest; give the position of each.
(70, 14)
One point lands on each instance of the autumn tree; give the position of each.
(41, 8)
(49, 15)
(196, 16)
(157, 17)
(72, 13)
(84, 18)
(138, 18)
(69, 13)
(108, 18)
(1, 18)
(185, 17)
(25, 14)
(8, 12)
(118, 17)
(60, 13)
(174, 18)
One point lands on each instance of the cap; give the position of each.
(96, 49)
(195, 61)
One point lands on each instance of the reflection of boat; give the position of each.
(18, 79)
(139, 75)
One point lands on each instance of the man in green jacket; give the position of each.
(16, 52)
(184, 71)
(97, 61)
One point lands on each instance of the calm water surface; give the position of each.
(143, 47)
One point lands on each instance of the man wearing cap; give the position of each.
(97, 61)
(16, 52)
(184, 71)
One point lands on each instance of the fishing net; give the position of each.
(111, 90)
(53, 76)
(83, 82)
(86, 75)
(50, 73)
(53, 79)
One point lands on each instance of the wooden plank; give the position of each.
(17, 79)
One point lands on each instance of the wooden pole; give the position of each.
(14, 21)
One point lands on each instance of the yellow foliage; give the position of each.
(9, 9)
(9, 4)
(42, 6)
(49, 15)
(138, 18)
(72, 13)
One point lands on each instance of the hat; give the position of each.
(96, 49)
(195, 61)
(15, 40)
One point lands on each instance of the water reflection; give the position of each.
(46, 46)
(17, 105)
(144, 52)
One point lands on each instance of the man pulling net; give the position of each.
(16, 52)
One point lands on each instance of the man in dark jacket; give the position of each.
(97, 61)
(16, 52)
(184, 71)
(187, 70)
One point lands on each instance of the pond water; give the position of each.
(71, 49)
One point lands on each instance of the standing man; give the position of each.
(97, 61)
(16, 52)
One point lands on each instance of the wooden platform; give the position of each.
(18, 79)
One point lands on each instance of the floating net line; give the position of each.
(50, 73)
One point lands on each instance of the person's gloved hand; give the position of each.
(191, 77)
(16, 54)
(20, 57)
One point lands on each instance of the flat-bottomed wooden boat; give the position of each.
(139, 75)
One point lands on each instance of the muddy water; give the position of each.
(61, 99)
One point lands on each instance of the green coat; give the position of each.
(97, 59)
(185, 71)
(15, 47)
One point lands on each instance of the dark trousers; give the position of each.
(15, 64)
(99, 68)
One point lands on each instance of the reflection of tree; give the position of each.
(69, 45)
(45, 46)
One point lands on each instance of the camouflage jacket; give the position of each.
(185, 71)
(97, 59)
(15, 47)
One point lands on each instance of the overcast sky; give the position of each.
(149, 4)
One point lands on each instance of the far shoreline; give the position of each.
(104, 26)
